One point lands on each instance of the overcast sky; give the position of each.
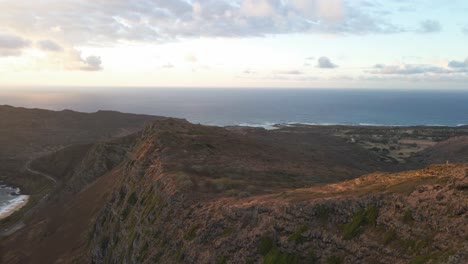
(235, 43)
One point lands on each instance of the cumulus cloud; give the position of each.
(73, 60)
(49, 45)
(430, 26)
(91, 63)
(325, 63)
(12, 45)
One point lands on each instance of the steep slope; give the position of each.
(411, 217)
(56, 229)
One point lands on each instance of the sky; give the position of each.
(234, 43)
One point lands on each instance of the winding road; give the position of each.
(27, 167)
(20, 224)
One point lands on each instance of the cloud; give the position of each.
(247, 71)
(430, 26)
(407, 69)
(453, 69)
(308, 61)
(289, 72)
(49, 45)
(89, 22)
(458, 64)
(325, 63)
(72, 60)
(12, 45)
(257, 8)
(91, 63)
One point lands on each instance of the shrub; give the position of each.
(132, 199)
(184, 181)
(297, 235)
(389, 237)
(334, 260)
(323, 213)
(272, 255)
(191, 233)
(363, 217)
(265, 245)
(407, 217)
(311, 257)
(221, 260)
(275, 256)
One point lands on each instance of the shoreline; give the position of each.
(15, 205)
(273, 126)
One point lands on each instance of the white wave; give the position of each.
(13, 204)
(271, 125)
(266, 125)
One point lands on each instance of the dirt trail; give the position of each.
(20, 224)
(27, 167)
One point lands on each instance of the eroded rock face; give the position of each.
(158, 214)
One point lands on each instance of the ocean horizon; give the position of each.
(260, 107)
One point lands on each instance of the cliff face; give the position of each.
(182, 196)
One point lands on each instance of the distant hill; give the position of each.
(25, 131)
(453, 150)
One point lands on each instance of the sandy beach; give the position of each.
(14, 206)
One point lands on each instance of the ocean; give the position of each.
(260, 107)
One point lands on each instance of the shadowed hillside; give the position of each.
(25, 131)
(452, 150)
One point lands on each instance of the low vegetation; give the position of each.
(297, 235)
(273, 255)
(362, 218)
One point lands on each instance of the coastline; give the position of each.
(273, 126)
(13, 206)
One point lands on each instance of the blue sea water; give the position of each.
(260, 107)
